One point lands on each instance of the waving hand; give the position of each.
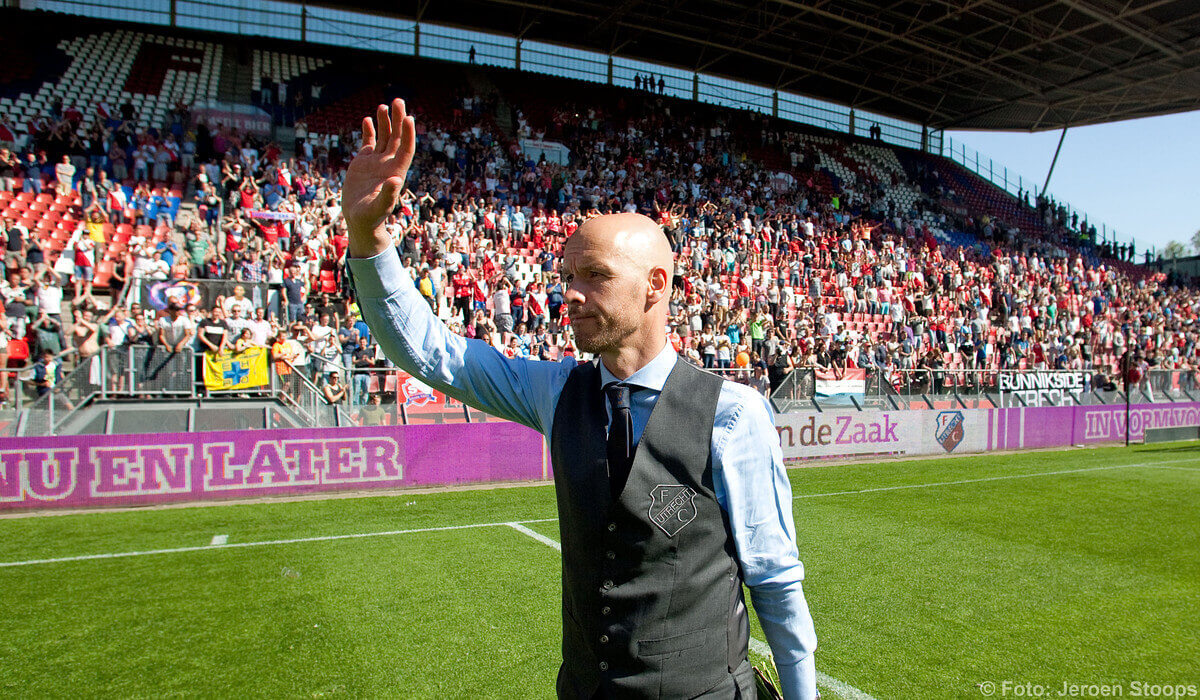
(376, 176)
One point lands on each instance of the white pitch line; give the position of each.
(219, 540)
(843, 689)
(536, 535)
(1154, 465)
(328, 538)
(324, 538)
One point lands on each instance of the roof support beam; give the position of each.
(771, 29)
(1050, 38)
(1090, 95)
(911, 31)
(1121, 22)
(965, 61)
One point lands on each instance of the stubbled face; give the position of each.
(606, 291)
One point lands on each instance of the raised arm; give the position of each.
(407, 330)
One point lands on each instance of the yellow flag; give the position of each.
(228, 370)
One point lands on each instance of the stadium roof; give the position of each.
(963, 64)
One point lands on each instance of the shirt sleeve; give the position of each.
(753, 487)
(411, 336)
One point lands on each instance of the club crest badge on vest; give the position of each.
(672, 507)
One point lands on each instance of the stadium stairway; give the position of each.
(481, 84)
(234, 85)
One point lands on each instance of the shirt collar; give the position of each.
(653, 375)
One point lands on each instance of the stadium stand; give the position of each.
(798, 248)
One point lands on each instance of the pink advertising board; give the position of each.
(1031, 428)
(119, 470)
(817, 435)
(112, 470)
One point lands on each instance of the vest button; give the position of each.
(611, 554)
(604, 639)
(606, 585)
(612, 527)
(605, 610)
(603, 665)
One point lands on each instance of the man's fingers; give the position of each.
(368, 133)
(408, 141)
(385, 125)
(396, 125)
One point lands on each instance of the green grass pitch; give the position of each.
(926, 579)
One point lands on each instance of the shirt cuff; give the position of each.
(798, 681)
(380, 276)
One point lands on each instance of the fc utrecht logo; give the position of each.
(949, 429)
(672, 507)
(416, 393)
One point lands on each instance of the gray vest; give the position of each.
(652, 592)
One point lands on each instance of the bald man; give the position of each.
(670, 483)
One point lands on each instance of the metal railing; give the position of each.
(132, 371)
(302, 395)
(140, 372)
(897, 389)
(1169, 385)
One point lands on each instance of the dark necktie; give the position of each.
(620, 437)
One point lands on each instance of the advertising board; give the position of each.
(85, 470)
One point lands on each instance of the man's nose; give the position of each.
(573, 296)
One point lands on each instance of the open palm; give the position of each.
(376, 176)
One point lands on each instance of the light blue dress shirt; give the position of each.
(748, 475)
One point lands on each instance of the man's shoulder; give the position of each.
(735, 399)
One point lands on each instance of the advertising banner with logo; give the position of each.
(424, 404)
(816, 435)
(108, 470)
(827, 434)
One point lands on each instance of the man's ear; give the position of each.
(660, 285)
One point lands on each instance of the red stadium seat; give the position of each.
(329, 285)
(104, 273)
(18, 351)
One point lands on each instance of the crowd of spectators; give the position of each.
(772, 272)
